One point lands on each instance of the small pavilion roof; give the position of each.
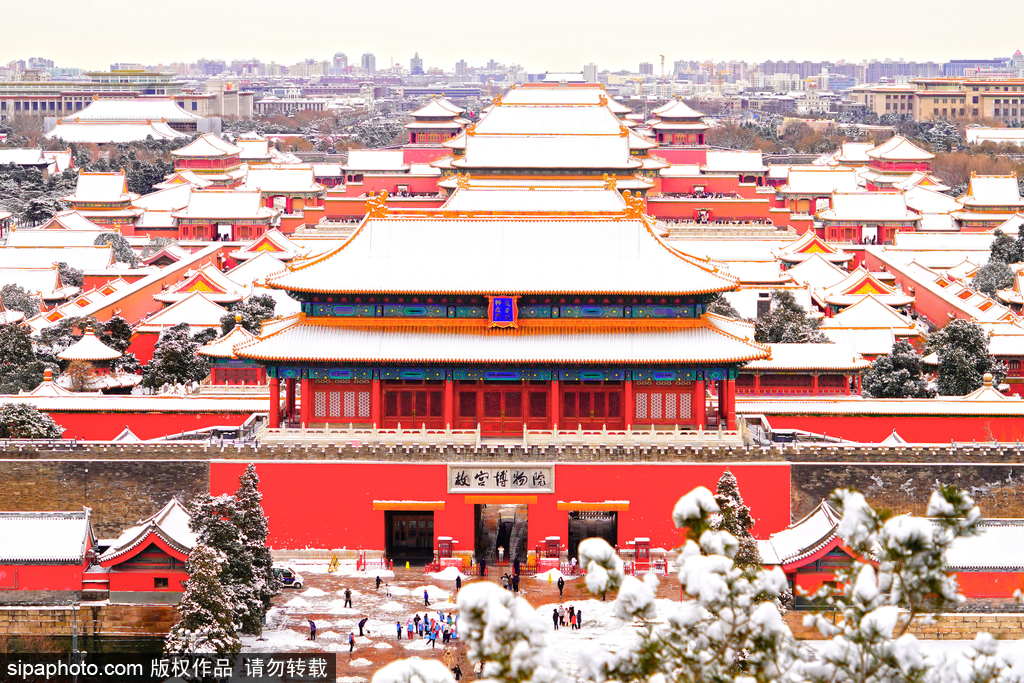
(47, 387)
(71, 220)
(209, 280)
(255, 269)
(822, 180)
(171, 251)
(195, 309)
(101, 187)
(273, 242)
(531, 200)
(376, 160)
(207, 146)
(859, 284)
(487, 255)
(921, 179)
(103, 132)
(898, 148)
(676, 109)
(436, 109)
(9, 316)
(810, 357)
(45, 537)
(89, 348)
(854, 153)
(185, 178)
(817, 272)
(170, 525)
(698, 340)
(870, 312)
(254, 149)
(282, 179)
(224, 347)
(811, 534)
(225, 204)
(808, 245)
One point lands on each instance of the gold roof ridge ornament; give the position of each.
(471, 129)
(634, 204)
(623, 131)
(376, 206)
(610, 182)
(602, 100)
(462, 181)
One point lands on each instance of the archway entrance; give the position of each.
(585, 524)
(409, 536)
(500, 526)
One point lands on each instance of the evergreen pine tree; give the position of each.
(22, 421)
(252, 523)
(897, 375)
(734, 517)
(787, 323)
(1004, 248)
(175, 360)
(992, 277)
(719, 305)
(962, 347)
(254, 311)
(206, 623)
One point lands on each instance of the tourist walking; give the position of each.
(561, 586)
(515, 583)
(312, 629)
(448, 658)
(399, 626)
(458, 583)
(348, 597)
(409, 629)
(351, 642)
(579, 619)
(378, 583)
(554, 617)
(515, 565)
(426, 597)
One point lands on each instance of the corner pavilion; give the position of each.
(510, 308)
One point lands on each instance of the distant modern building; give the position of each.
(416, 65)
(646, 69)
(340, 61)
(957, 68)
(368, 62)
(590, 73)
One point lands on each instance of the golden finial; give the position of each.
(609, 182)
(471, 129)
(623, 131)
(462, 182)
(497, 100)
(602, 100)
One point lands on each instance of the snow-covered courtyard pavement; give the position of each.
(322, 600)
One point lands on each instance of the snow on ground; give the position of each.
(360, 662)
(297, 602)
(382, 646)
(434, 592)
(351, 679)
(346, 568)
(448, 574)
(392, 606)
(550, 575)
(313, 593)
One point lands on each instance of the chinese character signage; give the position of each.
(503, 311)
(491, 478)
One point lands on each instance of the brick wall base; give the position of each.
(958, 626)
(92, 620)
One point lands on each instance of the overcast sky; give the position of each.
(542, 35)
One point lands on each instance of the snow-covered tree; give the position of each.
(897, 375)
(123, 252)
(155, 245)
(254, 311)
(1004, 248)
(787, 323)
(734, 516)
(20, 370)
(22, 421)
(992, 277)
(719, 305)
(206, 623)
(16, 298)
(71, 277)
(880, 600)
(252, 523)
(962, 347)
(175, 360)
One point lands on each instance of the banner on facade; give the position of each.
(497, 478)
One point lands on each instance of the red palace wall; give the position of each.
(142, 580)
(355, 207)
(41, 577)
(682, 155)
(423, 154)
(927, 429)
(330, 504)
(718, 209)
(105, 426)
(990, 584)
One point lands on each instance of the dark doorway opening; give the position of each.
(592, 524)
(500, 526)
(409, 536)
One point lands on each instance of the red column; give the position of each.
(288, 205)
(556, 407)
(860, 390)
(289, 398)
(628, 404)
(757, 384)
(275, 403)
(306, 406)
(375, 403)
(699, 404)
(730, 403)
(814, 384)
(449, 403)
(846, 384)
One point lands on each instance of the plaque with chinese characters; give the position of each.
(503, 311)
(491, 478)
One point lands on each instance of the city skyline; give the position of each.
(539, 36)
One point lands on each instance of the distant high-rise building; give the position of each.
(368, 62)
(957, 68)
(416, 65)
(590, 73)
(646, 69)
(340, 61)
(492, 65)
(461, 68)
(1018, 63)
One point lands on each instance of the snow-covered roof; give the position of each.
(809, 357)
(549, 94)
(207, 146)
(871, 312)
(184, 178)
(977, 135)
(996, 548)
(282, 179)
(29, 237)
(865, 341)
(817, 271)
(225, 204)
(854, 153)
(488, 255)
(83, 258)
(548, 151)
(171, 251)
(859, 284)
(701, 342)
(898, 148)
(47, 387)
(89, 348)
(209, 280)
(548, 120)
(224, 347)
(681, 171)
(992, 190)
(801, 539)
(273, 241)
(170, 524)
(253, 148)
(44, 280)
(926, 200)
(172, 198)
(820, 181)
(437, 109)
(733, 161)
(101, 187)
(379, 160)
(529, 200)
(808, 245)
(137, 109)
(119, 133)
(195, 309)
(255, 269)
(60, 161)
(676, 109)
(45, 537)
(921, 179)
(869, 206)
(32, 156)
(71, 220)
